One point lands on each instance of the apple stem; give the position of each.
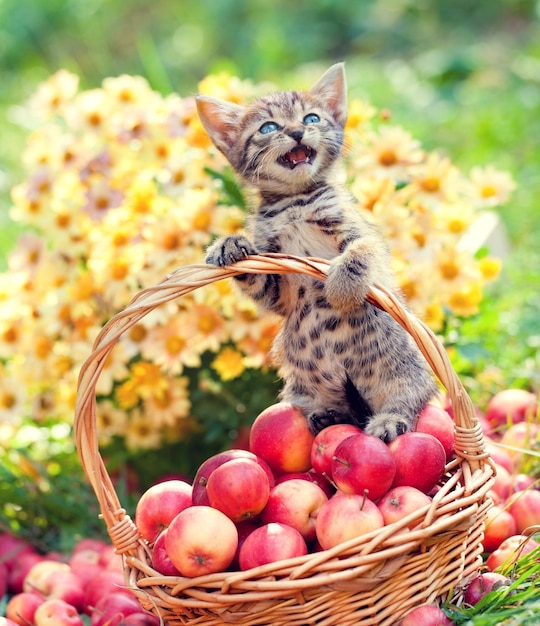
(335, 458)
(366, 491)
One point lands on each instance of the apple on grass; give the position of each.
(420, 460)
(499, 526)
(511, 406)
(503, 482)
(519, 438)
(482, 584)
(114, 608)
(344, 517)
(158, 506)
(63, 585)
(435, 421)
(427, 615)
(109, 581)
(22, 607)
(270, 543)
(325, 443)
(200, 482)
(238, 488)
(509, 551)
(57, 613)
(363, 464)
(19, 569)
(34, 580)
(297, 503)
(524, 506)
(201, 540)
(280, 436)
(85, 564)
(400, 502)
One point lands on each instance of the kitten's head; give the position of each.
(282, 143)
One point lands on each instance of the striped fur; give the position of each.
(341, 359)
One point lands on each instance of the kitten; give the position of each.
(341, 358)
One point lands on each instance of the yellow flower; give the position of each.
(489, 267)
(229, 363)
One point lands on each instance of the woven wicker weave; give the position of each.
(374, 579)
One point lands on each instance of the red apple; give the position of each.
(244, 530)
(200, 481)
(89, 543)
(524, 506)
(420, 460)
(3, 579)
(427, 615)
(238, 488)
(503, 482)
(201, 540)
(482, 585)
(34, 580)
(112, 609)
(312, 477)
(346, 516)
(499, 526)
(519, 438)
(20, 568)
(325, 443)
(100, 586)
(522, 481)
(363, 464)
(12, 548)
(269, 543)
(509, 551)
(400, 502)
(63, 585)
(511, 406)
(22, 607)
(109, 559)
(437, 422)
(280, 436)
(499, 455)
(159, 505)
(297, 503)
(161, 561)
(85, 564)
(57, 613)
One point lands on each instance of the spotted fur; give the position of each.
(341, 359)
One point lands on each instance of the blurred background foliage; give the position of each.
(462, 77)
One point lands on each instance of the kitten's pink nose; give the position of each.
(297, 135)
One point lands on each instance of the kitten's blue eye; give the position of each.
(268, 127)
(311, 118)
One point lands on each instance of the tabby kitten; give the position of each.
(341, 358)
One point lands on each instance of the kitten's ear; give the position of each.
(220, 119)
(332, 88)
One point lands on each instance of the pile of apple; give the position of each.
(57, 590)
(285, 494)
(292, 493)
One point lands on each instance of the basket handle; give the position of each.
(469, 443)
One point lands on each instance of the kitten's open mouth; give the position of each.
(299, 154)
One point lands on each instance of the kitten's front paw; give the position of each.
(318, 420)
(229, 250)
(388, 426)
(348, 283)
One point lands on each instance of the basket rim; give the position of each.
(473, 465)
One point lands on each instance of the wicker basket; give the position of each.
(373, 579)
